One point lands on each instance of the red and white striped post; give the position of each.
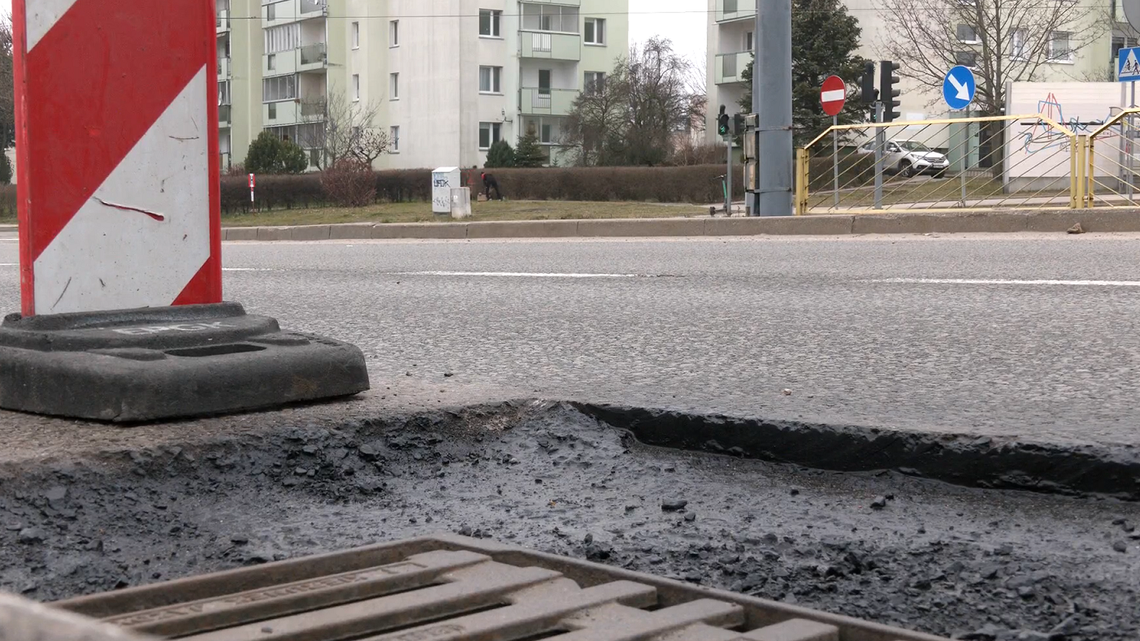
(117, 120)
(120, 229)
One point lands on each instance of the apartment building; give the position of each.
(730, 31)
(446, 78)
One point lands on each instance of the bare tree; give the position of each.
(634, 117)
(7, 104)
(342, 129)
(1004, 41)
(599, 121)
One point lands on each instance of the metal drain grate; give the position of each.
(452, 588)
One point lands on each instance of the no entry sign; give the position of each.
(833, 95)
(116, 120)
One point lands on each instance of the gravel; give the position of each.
(989, 564)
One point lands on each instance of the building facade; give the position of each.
(730, 31)
(445, 78)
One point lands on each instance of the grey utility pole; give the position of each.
(772, 102)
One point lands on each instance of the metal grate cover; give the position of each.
(457, 589)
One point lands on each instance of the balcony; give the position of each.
(548, 45)
(732, 10)
(224, 116)
(564, 3)
(547, 102)
(313, 57)
(223, 68)
(223, 21)
(730, 67)
(284, 11)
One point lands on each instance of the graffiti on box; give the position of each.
(1043, 137)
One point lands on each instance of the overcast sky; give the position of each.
(682, 21)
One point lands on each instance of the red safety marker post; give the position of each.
(252, 184)
(120, 228)
(832, 97)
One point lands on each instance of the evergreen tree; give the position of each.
(500, 155)
(824, 40)
(268, 154)
(530, 152)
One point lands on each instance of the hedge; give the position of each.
(695, 184)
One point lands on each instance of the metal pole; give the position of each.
(1129, 138)
(965, 160)
(880, 144)
(772, 97)
(728, 179)
(835, 157)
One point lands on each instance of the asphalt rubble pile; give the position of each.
(967, 563)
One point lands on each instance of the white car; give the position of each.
(910, 158)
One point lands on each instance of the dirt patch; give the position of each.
(980, 564)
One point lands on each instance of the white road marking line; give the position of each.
(971, 281)
(517, 274)
(9, 264)
(247, 269)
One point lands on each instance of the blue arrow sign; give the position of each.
(1127, 65)
(958, 88)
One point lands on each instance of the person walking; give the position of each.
(490, 183)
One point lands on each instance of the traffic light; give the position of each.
(867, 92)
(887, 82)
(738, 124)
(722, 122)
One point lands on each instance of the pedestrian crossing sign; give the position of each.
(1128, 65)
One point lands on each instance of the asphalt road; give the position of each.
(1004, 335)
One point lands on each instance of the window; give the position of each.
(395, 136)
(967, 33)
(1060, 49)
(749, 43)
(314, 157)
(544, 82)
(356, 86)
(271, 12)
(547, 135)
(542, 17)
(284, 38)
(489, 23)
(279, 88)
(489, 134)
(967, 58)
(730, 6)
(595, 82)
(490, 79)
(356, 35)
(224, 92)
(271, 62)
(1018, 48)
(394, 33)
(595, 31)
(272, 110)
(394, 90)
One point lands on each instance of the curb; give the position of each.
(999, 222)
(973, 461)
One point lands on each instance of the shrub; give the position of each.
(8, 202)
(349, 183)
(530, 153)
(5, 169)
(268, 154)
(500, 155)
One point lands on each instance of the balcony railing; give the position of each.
(547, 102)
(552, 46)
(223, 68)
(223, 21)
(730, 66)
(223, 114)
(729, 10)
(314, 54)
(312, 6)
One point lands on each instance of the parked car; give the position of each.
(910, 158)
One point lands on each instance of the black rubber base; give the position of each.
(141, 365)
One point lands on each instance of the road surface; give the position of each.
(1023, 335)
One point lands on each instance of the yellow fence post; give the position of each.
(801, 181)
(1077, 166)
(1090, 173)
